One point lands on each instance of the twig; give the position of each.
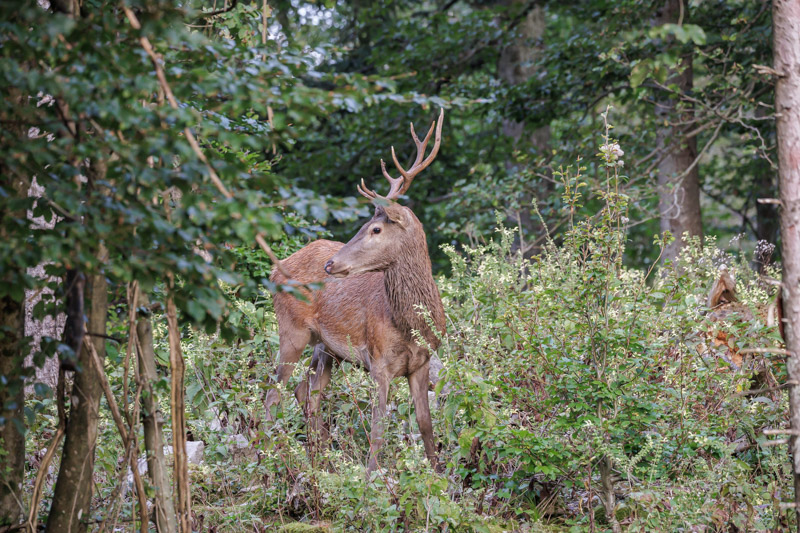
(231, 7)
(784, 431)
(177, 369)
(115, 414)
(132, 298)
(768, 71)
(131, 446)
(38, 484)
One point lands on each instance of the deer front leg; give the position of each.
(418, 385)
(292, 343)
(310, 390)
(378, 416)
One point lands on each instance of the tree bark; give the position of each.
(12, 438)
(786, 53)
(73, 491)
(178, 410)
(678, 176)
(153, 421)
(52, 324)
(13, 348)
(516, 65)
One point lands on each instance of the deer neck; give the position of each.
(409, 283)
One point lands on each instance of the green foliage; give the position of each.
(551, 366)
(554, 365)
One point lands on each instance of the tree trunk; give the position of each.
(153, 421)
(13, 350)
(52, 324)
(73, 491)
(786, 50)
(12, 424)
(178, 411)
(678, 177)
(767, 220)
(516, 65)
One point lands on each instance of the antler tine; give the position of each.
(395, 184)
(398, 186)
(365, 192)
(421, 146)
(420, 165)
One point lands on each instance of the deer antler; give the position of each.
(400, 185)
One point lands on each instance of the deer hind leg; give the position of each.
(309, 392)
(378, 415)
(418, 385)
(293, 341)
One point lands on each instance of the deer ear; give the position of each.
(397, 214)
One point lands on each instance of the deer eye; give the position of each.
(376, 230)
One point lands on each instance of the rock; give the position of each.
(240, 447)
(435, 368)
(216, 423)
(194, 456)
(141, 466)
(194, 451)
(239, 441)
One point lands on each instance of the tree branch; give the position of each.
(230, 7)
(162, 80)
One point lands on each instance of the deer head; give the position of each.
(393, 231)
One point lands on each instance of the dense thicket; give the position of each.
(601, 163)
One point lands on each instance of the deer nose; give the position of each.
(328, 266)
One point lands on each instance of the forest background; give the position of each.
(600, 162)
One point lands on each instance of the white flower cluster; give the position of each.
(612, 153)
(763, 252)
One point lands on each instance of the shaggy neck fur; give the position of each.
(409, 283)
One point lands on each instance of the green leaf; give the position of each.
(640, 72)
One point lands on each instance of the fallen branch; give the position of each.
(756, 392)
(779, 351)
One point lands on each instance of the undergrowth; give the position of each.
(576, 393)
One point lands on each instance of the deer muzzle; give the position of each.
(334, 269)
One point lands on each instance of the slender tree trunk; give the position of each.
(178, 408)
(678, 177)
(12, 423)
(767, 221)
(153, 421)
(73, 491)
(13, 350)
(786, 50)
(516, 65)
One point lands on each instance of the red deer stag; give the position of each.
(369, 304)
